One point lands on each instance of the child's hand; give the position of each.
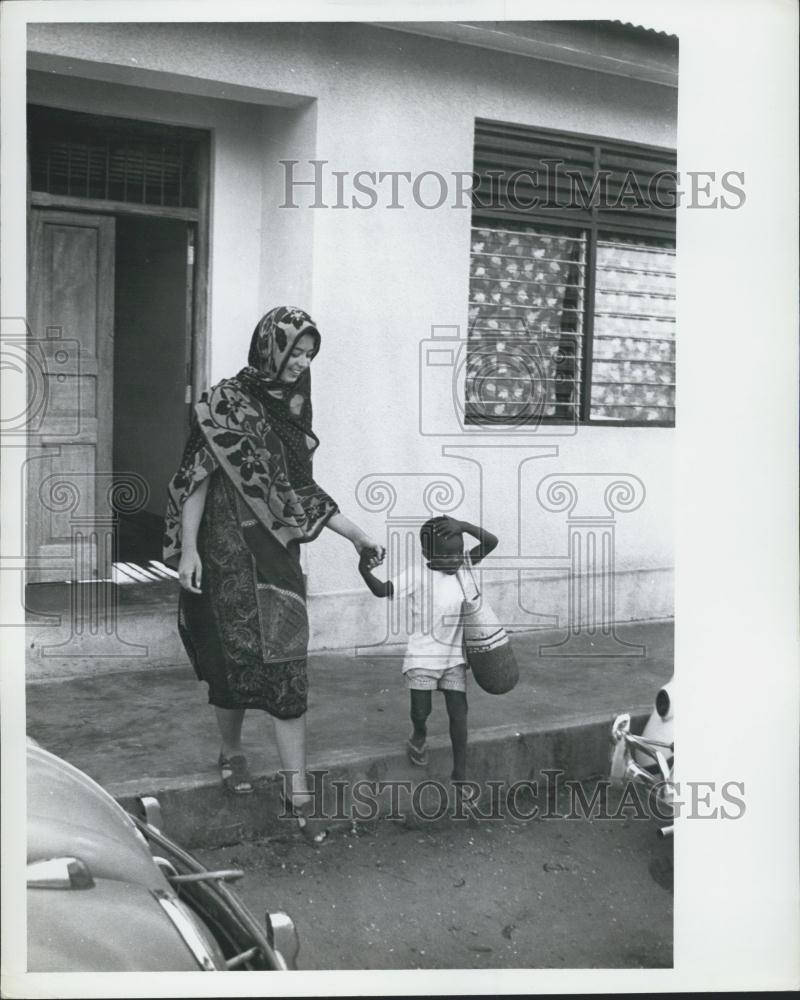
(374, 552)
(448, 527)
(369, 559)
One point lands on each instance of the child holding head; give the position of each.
(434, 657)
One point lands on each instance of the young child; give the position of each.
(434, 657)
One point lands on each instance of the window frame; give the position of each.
(595, 227)
(47, 125)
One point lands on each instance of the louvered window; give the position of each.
(90, 156)
(572, 280)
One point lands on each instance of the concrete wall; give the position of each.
(376, 281)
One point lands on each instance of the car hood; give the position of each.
(71, 815)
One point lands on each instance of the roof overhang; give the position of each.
(627, 50)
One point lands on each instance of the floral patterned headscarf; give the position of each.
(256, 429)
(275, 336)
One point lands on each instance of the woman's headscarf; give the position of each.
(274, 337)
(256, 429)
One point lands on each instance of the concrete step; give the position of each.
(145, 732)
(87, 629)
(508, 766)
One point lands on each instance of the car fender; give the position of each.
(114, 926)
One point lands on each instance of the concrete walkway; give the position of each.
(153, 731)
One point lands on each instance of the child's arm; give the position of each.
(378, 587)
(486, 540)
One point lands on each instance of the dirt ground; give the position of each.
(541, 893)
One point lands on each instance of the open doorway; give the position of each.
(117, 258)
(152, 366)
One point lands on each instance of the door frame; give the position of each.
(197, 372)
(198, 319)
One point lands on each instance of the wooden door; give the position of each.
(71, 318)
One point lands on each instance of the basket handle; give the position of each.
(467, 565)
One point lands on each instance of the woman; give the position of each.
(240, 505)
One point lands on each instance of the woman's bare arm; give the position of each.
(190, 567)
(344, 526)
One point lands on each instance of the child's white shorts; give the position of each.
(422, 679)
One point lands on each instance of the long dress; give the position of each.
(246, 634)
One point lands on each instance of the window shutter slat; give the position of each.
(634, 184)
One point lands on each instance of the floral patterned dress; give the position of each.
(247, 633)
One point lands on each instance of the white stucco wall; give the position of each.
(377, 280)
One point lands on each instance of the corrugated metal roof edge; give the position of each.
(644, 27)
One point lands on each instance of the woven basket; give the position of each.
(487, 649)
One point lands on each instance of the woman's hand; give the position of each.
(190, 571)
(370, 553)
(190, 568)
(362, 542)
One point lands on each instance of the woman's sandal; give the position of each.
(417, 755)
(236, 777)
(315, 830)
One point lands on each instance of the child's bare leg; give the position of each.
(420, 710)
(456, 702)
